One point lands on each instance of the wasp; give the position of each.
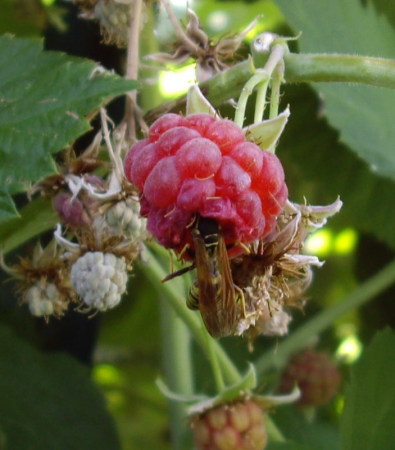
(213, 293)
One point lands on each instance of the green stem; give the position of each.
(155, 272)
(277, 80)
(340, 68)
(215, 365)
(260, 101)
(177, 364)
(277, 357)
(262, 78)
(299, 68)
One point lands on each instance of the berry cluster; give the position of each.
(202, 165)
(238, 426)
(316, 375)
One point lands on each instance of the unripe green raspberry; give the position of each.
(99, 279)
(237, 426)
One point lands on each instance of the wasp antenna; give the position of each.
(178, 273)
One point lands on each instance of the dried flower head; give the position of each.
(43, 281)
(113, 15)
(276, 274)
(211, 57)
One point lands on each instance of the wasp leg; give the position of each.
(241, 298)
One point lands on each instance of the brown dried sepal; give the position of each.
(86, 163)
(45, 267)
(211, 57)
(99, 240)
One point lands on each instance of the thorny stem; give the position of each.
(191, 46)
(260, 102)
(275, 59)
(132, 67)
(262, 78)
(299, 68)
(277, 80)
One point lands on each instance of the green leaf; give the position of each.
(362, 114)
(288, 446)
(315, 435)
(367, 420)
(35, 218)
(45, 98)
(48, 401)
(319, 168)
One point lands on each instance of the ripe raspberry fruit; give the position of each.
(315, 374)
(200, 165)
(237, 426)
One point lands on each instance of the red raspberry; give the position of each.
(315, 374)
(202, 165)
(163, 124)
(226, 134)
(200, 122)
(239, 426)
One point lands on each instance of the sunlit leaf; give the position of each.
(362, 114)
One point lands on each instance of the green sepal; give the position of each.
(201, 403)
(168, 393)
(198, 103)
(241, 389)
(267, 133)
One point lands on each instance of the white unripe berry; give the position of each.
(99, 279)
(124, 218)
(44, 299)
